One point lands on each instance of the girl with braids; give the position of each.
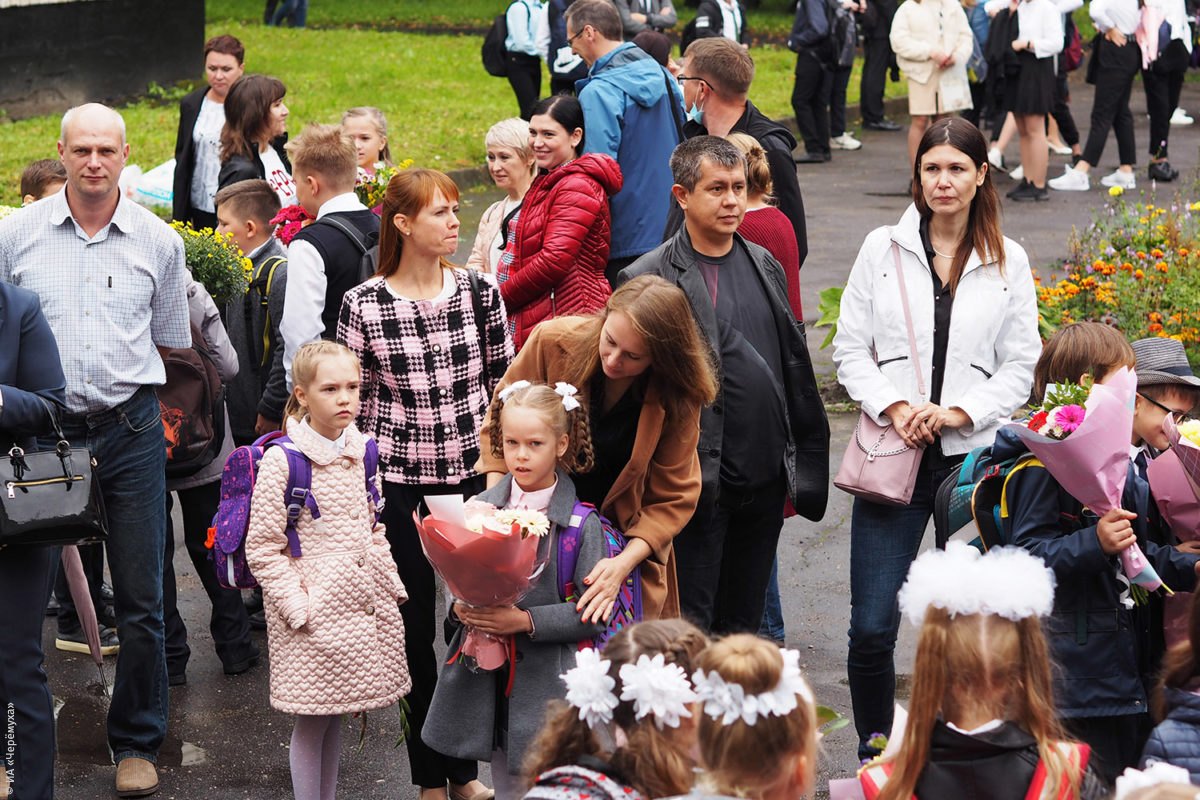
(982, 722)
(627, 726)
(758, 730)
(644, 371)
(543, 434)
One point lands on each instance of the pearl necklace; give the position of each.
(937, 252)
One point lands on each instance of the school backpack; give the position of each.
(227, 536)
(493, 53)
(261, 283)
(875, 775)
(627, 608)
(366, 244)
(974, 494)
(192, 405)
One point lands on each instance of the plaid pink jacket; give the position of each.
(428, 372)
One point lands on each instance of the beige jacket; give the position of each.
(923, 26)
(334, 629)
(484, 256)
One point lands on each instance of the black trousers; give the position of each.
(430, 769)
(1116, 742)
(724, 557)
(1062, 110)
(1115, 70)
(810, 102)
(525, 78)
(839, 79)
(26, 574)
(877, 55)
(228, 622)
(202, 219)
(1162, 97)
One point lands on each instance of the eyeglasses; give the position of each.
(685, 78)
(1179, 416)
(571, 39)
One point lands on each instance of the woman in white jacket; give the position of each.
(975, 322)
(933, 42)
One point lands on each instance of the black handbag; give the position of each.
(50, 497)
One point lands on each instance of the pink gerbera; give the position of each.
(1069, 418)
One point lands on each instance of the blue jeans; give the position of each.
(772, 621)
(26, 574)
(127, 443)
(296, 9)
(884, 541)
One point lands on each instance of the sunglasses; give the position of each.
(1179, 416)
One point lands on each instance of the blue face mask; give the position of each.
(695, 114)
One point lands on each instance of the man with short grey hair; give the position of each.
(765, 438)
(112, 280)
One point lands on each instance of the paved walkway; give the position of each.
(225, 742)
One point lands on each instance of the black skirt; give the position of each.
(1031, 89)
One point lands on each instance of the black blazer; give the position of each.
(31, 375)
(185, 153)
(241, 168)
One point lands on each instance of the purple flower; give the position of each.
(1069, 418)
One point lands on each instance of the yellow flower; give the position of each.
(1115, 191)
(1195, 206)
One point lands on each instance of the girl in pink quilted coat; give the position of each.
(333, 619)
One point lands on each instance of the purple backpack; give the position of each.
(627, 608)
(227, 536)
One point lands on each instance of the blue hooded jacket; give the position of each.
(633, 111)
(1176, 740)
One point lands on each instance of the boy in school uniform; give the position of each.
(257, 395)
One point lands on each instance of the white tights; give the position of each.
(316, 749)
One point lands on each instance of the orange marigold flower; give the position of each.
(1156, 253)
(1127, 267)
(1141, 254)
(1138, 274)
(1154, 327)
(1161, 266)
(1183, 251)
(1155, 316)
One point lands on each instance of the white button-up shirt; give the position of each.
(110, 298)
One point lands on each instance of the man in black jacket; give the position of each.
(876, 24)
(716, 79)
(765, 438)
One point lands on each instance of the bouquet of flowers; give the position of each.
(487, 557)
(215, 261)
(371, 188)
(1175, 483)
(289, 221)
(1081, 434)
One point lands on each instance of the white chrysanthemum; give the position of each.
(657, 689)
(728, 702)
(590, 688)
(1008, 582)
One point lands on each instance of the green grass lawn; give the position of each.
(437, 97)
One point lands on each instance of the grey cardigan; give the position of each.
(462, 716)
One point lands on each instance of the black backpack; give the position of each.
(192, 404)
(367, 245)
(493, 53)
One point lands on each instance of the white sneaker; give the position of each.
(845, 142)
(1017, 174)
(1071, 181)
(1059, 149)
(996, 158)
(1180, 117)
(1125, 180)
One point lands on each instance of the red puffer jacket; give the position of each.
(562, 244)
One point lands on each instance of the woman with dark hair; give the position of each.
(975, 330)
(433, 346)
(254, 134)
(644, 368)
(557, 259)
(198, 142)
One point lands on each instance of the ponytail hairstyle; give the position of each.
(408, 192)
(304, 370)
(654, 761)
(981, 652)
(758, 170)
(1181, 665)
(551, 404)
(748, 754)
(983, 225)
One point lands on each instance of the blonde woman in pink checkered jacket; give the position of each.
(433, 342)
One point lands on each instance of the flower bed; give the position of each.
(1136, 267)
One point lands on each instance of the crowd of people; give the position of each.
(627, 334)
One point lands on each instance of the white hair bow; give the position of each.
(567, 392)
(728, 702)
(657, 689)
(517, 386)
(590, 688)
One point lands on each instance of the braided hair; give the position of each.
(575, 424)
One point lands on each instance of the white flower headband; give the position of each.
(656, 689)
(728, 702)
(1008, 582)
(564, 390)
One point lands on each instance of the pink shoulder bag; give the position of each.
(878, 465)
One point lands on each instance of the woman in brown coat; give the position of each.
(645, 370)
